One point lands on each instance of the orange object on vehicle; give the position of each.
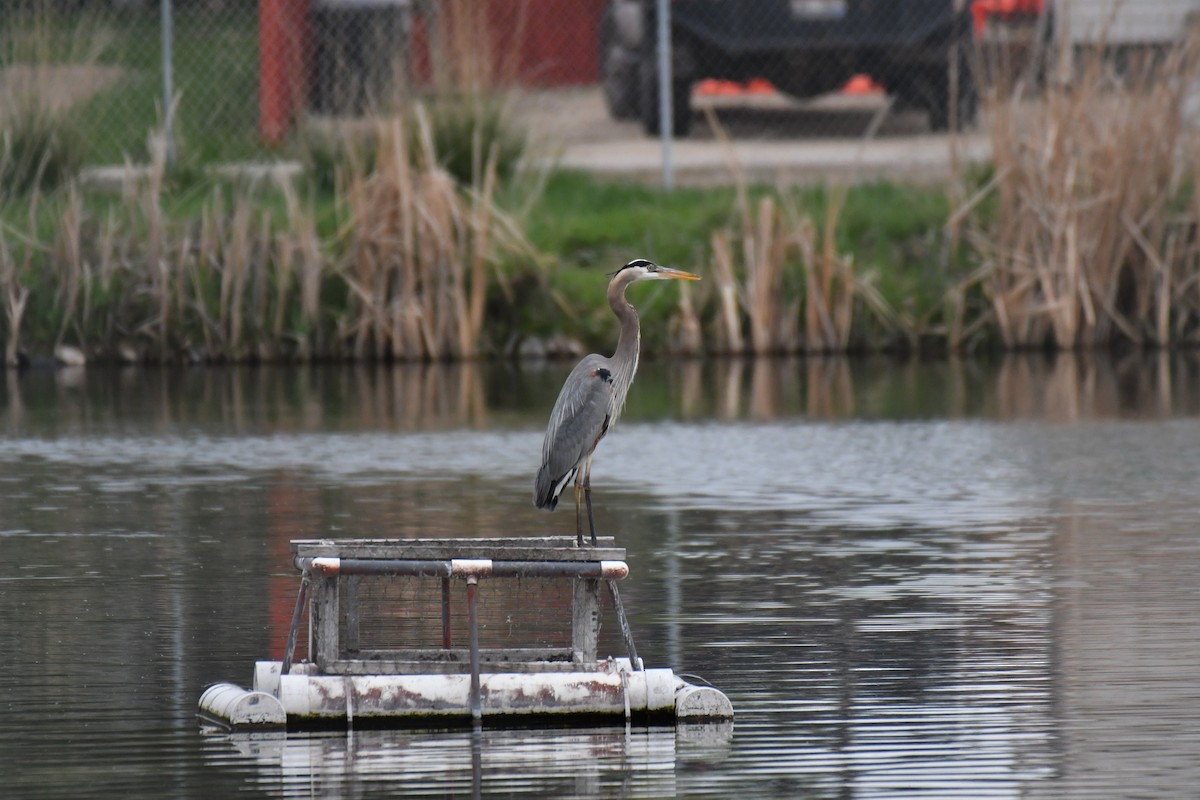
(862, 84)
(982, 10)
(760, 86)
(718, 88)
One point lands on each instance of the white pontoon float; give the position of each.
(384, 618)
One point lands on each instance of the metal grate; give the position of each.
(386, 613)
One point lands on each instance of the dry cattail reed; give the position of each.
(1093, 177)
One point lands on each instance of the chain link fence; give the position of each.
(240, 79)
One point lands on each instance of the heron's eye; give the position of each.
(639, 262)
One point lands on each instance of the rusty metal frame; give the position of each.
(447, 635)
(473, 644)
(623, 621)
(332, 568)
(464, 567)
(290, 649)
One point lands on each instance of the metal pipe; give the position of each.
(609, 570)
(447, 637)
(330, 565)
(297, 612)
(473, 645)
(666, 118)
(623, 621)
(481, 567)
(168, 82)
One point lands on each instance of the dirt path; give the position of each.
(773, 138)
(56, 87)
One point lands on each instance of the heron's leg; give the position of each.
(579, 509)
(587, 496)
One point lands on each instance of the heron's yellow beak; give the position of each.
(676, 274)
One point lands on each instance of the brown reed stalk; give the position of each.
(263, 264)
(207, 260)
(838, 286)
(763, 267)
(312, 273)
(285, 275)
(729, 327)
(773, 236)
(69, 259)
(1085, 246)
(420, 249)
(686, 337)
(15, 297)
(763, 252)
(481, 213)
(237, 265)
(143, 196)
(300, 262)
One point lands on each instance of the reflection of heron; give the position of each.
(591, 400)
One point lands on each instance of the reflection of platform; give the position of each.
(382, 633)
(589, 762)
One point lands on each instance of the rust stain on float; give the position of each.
(584, 692)
(395, 698)
(330, 697)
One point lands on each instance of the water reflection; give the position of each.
(956, 579)
(1060, 387)
(548, 763)
(1127, 640)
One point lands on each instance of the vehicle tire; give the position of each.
(681, 99)
(967, 100)
(618, 71)
(930, 90)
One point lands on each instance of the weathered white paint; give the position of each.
(613, 688)
(701, 703)
(470, 566)
(266, 676)
(531, 682)
(650, 689)
(240, 709)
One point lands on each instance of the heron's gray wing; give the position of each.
(580, 417)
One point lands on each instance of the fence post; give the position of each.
(666, 119)
(168, 82)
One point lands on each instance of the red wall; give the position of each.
(546, 43)
(537, 42)
(560, 44)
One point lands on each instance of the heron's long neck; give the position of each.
(628, 343)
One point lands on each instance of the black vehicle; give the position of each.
(804, 47)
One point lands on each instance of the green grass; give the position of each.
(588, 227)
(215, 70)
(581, 228)
(590, 223)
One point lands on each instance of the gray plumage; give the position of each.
(591, 400)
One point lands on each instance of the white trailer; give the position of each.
(1122, 23)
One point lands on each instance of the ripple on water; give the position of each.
(936, 608)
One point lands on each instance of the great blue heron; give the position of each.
(592, 398)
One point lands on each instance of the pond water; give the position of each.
(950, 579)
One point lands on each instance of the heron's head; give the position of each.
(642, 270)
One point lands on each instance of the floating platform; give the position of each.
(384, 619)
